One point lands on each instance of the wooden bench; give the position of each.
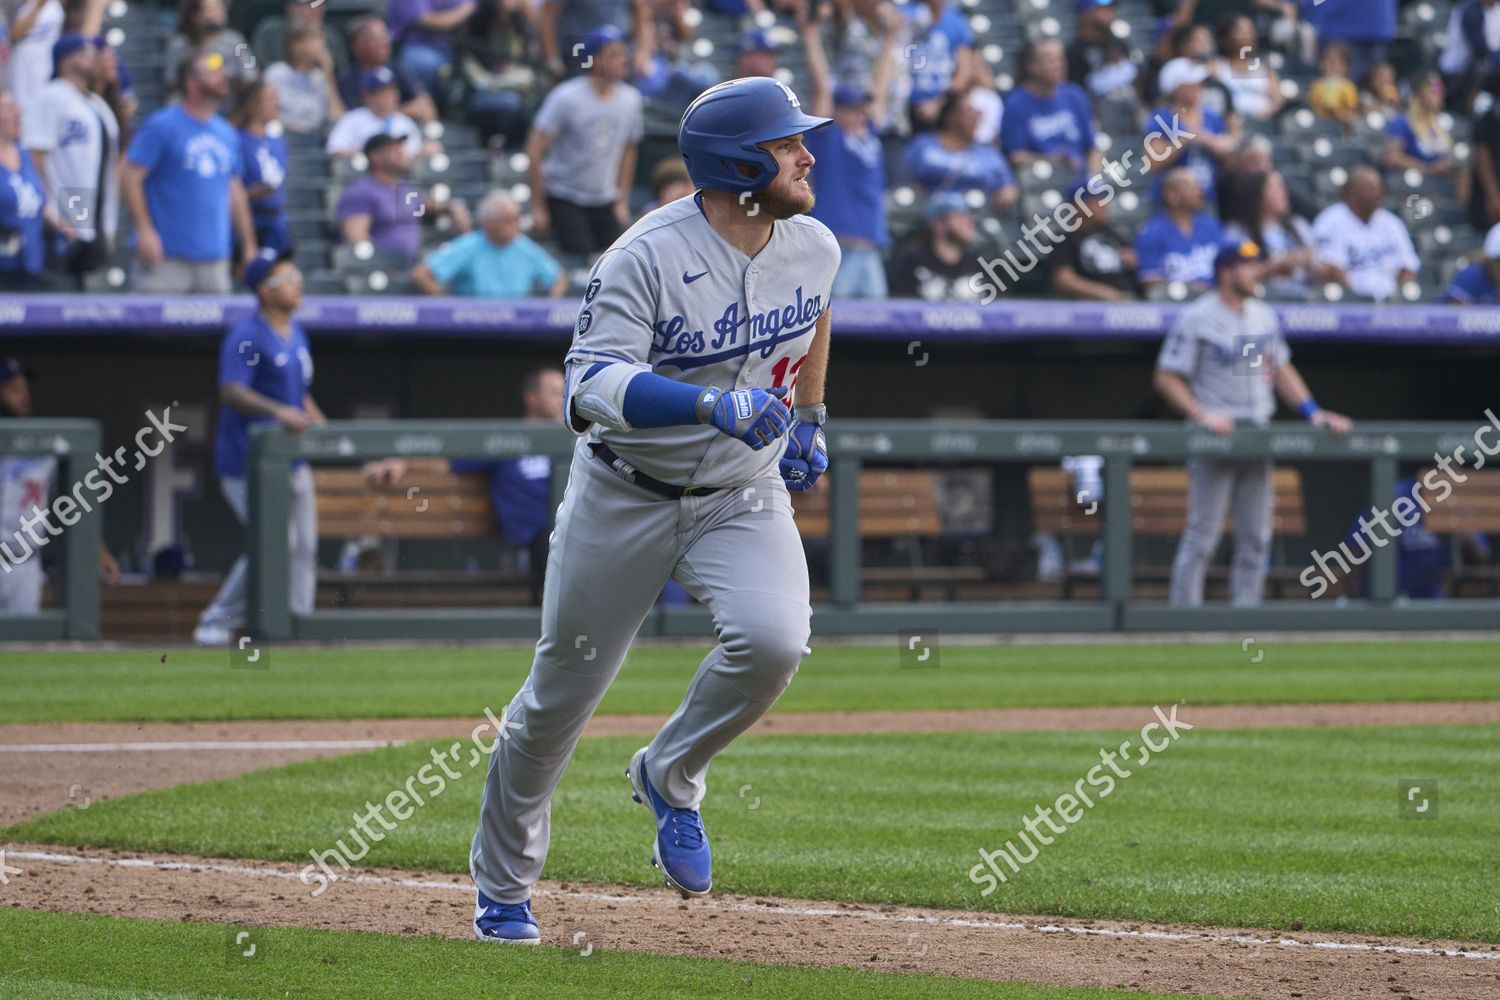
(893, 504)
(1473, 506)
(443, 506)
(1158, 508)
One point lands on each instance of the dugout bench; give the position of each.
(430, 506)
(1158, 510)
(1472, 508)
(896, 505)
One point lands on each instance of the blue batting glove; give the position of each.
(806, 456)
(755, 416)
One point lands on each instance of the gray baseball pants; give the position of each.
(21, 587)
(1214, 489)
(614, 547)
(177, 276)
(228, 607)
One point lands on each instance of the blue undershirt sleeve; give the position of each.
(653, 400)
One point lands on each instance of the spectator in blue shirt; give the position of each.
(1180, 243)
(850, 172)
(1366, 26)
(1477, 284)
(1416, 139)
(265, 376)
(497, 261)
(1474, 285)
(23, 201)
(1182, 115)
(1047, 117)
(423, 31)
(181, 182)
(941, 56)
(951, 159)
(520, 488)
(264, 161)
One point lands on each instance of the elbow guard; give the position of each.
(599, 395)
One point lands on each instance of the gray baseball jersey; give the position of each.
(670, 297)
(673, 297)
(1229, 360)
(1227, 357)
(25, 486)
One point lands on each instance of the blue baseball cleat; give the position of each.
(507, 923)
(681, 850)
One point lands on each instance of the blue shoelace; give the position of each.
(687, 828)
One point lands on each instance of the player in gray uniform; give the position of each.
(25, 485)
(700, 327)
(1221, 366)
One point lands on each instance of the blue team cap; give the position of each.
(601, 36)
(65, 46)
(758, 41)
(261, 267)
(1234, 253)
(10, 368)
(847, 95)
(946, 203)
(374, 79)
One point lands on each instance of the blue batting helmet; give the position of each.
(721, 128)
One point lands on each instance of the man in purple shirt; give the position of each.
(382, 206)
(423, 32)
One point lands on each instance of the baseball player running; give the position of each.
(700, 327)
(1221, 366)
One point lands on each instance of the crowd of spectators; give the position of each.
(943, 145)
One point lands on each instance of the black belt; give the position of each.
(631, 474)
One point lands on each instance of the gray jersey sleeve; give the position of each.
(614, 330)
(619, 305)
(1179, 352)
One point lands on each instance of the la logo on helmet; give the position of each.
(791, 98)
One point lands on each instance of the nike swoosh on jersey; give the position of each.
(688, 279)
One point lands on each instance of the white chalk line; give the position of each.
(795, 911)
(199, 745)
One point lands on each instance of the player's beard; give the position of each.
(780, 204)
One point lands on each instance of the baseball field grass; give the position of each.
(1280, 828)
(71, 957)
(307, 683)
(1293, 830)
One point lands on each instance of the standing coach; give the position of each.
(1222, 366)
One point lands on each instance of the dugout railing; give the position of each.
(1373, 451)
(74, 550)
